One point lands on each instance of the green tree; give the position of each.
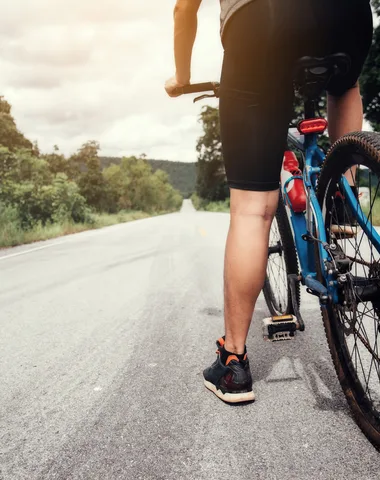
(58, 163)
(28, 187)
(89, 175)
(211, 176)
(139, 190)
(115, 183)
(182, 175)
(133, 185)
(165, 196)
(22, 166)
(10, 136)
(370, 79)
(8, 164)
(67, 202)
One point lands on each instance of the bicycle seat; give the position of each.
(313, 74)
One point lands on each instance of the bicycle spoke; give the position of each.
(277, 275)
(355, 317)
(360, 324)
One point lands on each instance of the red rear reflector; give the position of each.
(314, 125)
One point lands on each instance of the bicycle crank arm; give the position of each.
(275, 249)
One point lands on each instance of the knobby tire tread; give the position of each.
(367, 144)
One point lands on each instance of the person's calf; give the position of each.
(345, 113)
(245, 262)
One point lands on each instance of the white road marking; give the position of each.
(31, 250)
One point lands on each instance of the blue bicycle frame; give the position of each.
(305, 225)
(309, 227)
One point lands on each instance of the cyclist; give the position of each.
(262, 41)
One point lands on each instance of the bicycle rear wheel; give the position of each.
(353, 325)
(282, 260)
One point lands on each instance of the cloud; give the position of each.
(76, 71)
(82, 70)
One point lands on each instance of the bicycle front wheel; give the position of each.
(353, 325)
(282, 260)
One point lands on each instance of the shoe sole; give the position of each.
(230, 397)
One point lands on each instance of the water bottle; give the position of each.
(296, 195)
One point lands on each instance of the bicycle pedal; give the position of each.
(281, 328)
(345, 232)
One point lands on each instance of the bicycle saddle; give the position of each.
(313, 74)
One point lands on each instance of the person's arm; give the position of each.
(185, 30)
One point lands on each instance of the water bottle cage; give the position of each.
(286, 195)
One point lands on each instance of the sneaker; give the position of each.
(346, 225)
(231, 382)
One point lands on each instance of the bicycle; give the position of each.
(315, 247)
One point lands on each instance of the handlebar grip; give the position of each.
(195, 88)
(178, 91)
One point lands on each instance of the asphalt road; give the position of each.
(103, 338)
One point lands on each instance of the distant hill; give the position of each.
(181, 175)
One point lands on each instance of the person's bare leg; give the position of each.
(345, 115)
(245, 261)
(251, 217)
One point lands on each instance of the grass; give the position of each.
(218, 206)
(204, 205)
(11, 234)
(375, 212)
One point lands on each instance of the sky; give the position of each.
(84, 70)
(79, 70)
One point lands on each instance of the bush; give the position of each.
(10, 227)
(133, 185)
(67, 202)
(203, 204)
(218, 206)
(197, 202)
(42, 196)
(58, 202)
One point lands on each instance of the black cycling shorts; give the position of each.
(262, 43)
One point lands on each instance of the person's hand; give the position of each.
(171, 85)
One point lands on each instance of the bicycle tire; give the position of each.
(344, 154)
(275, 305)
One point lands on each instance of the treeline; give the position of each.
(182, 175)
(43, 189)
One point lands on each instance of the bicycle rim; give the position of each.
(353, 325)
(282, 260)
